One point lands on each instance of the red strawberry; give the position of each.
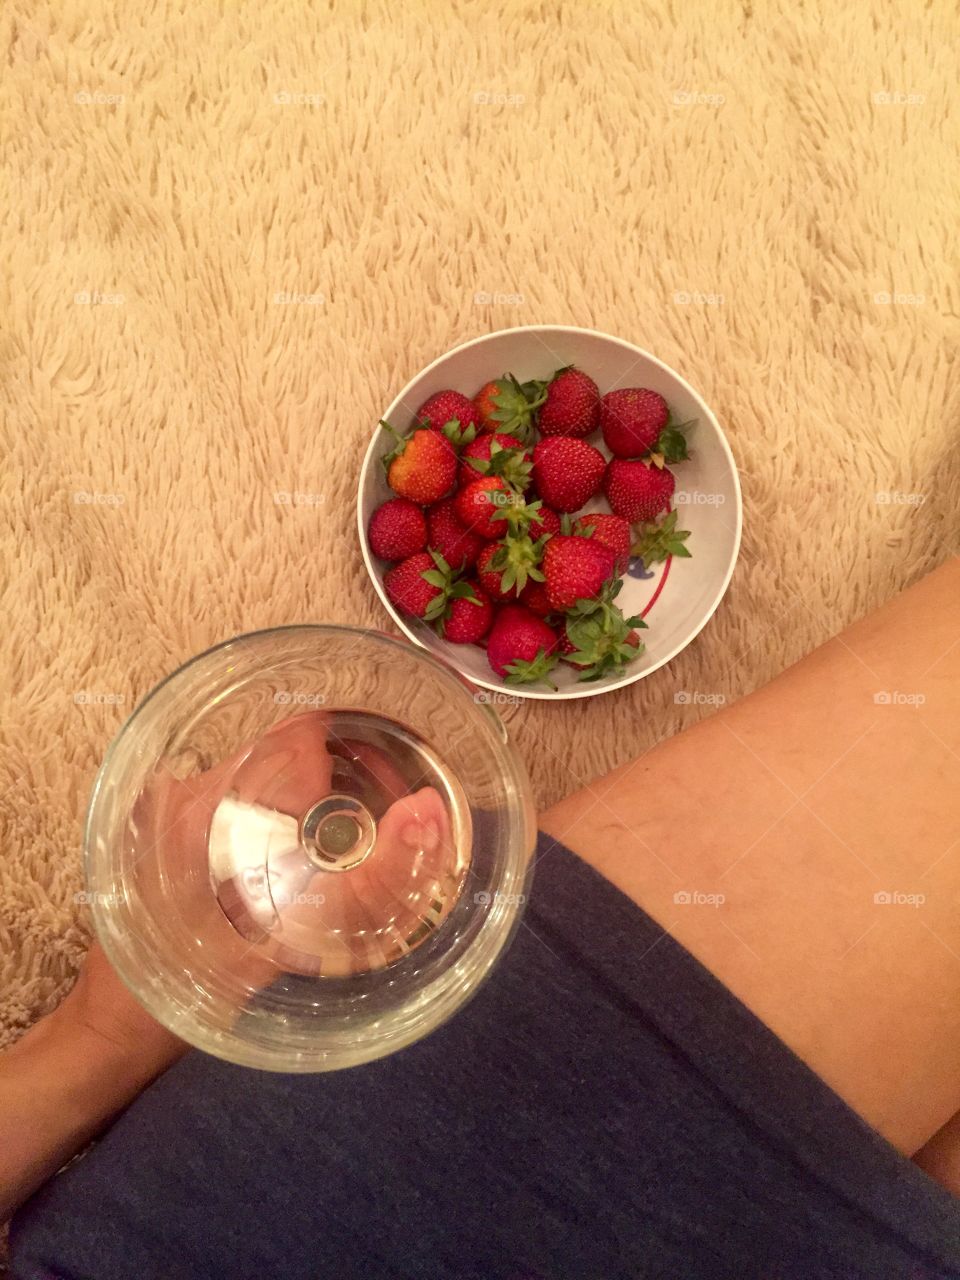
(408, 589)
(491, 579)
(521, 647)
(575, 569)
(534, 597)
(572, 407)
(423, 467)
(510, 564)
(631, 420)
(444, 407)
(486, 405)
(478, 505)
(397, 529)
(424, 586)
(613, 531)
(468, 621)
(506, 405)
(498, 455)
(458, 545)
(543, 521)
(567, 473)
(565, 645)
(637, 491)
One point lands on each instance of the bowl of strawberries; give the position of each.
(552, 510)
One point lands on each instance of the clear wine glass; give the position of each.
(308, 847)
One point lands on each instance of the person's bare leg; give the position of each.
(940, 1157)
(825, 810)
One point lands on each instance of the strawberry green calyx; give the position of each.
(516, 405)
(397, 449)
(447, 581)
(513, 465)
(516, 514)
(534, 670)
(517, 560)
(672, 444)
(604, 641)
(603, 599)
(660, 538)
(457, 435)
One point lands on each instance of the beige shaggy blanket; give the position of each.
(234, 231)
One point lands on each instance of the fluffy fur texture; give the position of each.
(718, 183)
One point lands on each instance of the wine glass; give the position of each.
(308, 847)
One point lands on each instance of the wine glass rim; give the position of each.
(448, 994)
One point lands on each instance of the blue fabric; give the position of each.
(604, 1108)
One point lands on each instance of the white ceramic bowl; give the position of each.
(676, 598)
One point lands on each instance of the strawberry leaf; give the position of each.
(600, 640)
(518, 557)
(463, 591)
(516, 406)
(672, 444)
(532, 671)
(656, 540)
(513, 465)
(457, 435)
(394, 453)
